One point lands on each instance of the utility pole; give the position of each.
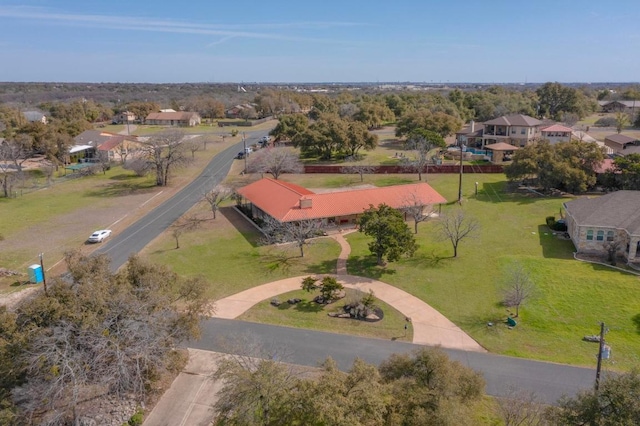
(246, 154)
(44, 278)
(460, 180)
(600, 349)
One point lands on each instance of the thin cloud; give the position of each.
(168, 26)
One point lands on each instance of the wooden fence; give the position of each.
(446, 168)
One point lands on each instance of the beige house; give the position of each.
(556, 134)
(125, 117)
(595, 223)
(518, 130)
(182, 118)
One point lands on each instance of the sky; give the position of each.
(439, 41)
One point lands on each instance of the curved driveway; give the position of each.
(430, 327)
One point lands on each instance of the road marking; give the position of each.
(142, 205)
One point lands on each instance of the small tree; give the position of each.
(521, 408)
(518, 287)
(423, 141)
(392, 237)
(417, 209)
(622, 120)
(612, 248)
(299, 232)
(164, 152)
(360, 169)
(456, 227)
(182, 225)
(329, 287)
(216, 196)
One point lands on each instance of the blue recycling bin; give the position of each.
(35, 274)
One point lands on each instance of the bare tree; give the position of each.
(612, 248)
(216, 196)
(184, 224)
(296, 232)
(164, 152)
(518, 287)
(521, 408)
(423, 141)
(104, 161)
(275, 161)
(457, 226)
(194, 145)
(360, 169)
(417, 209)
(13, 153)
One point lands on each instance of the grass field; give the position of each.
(308, 314)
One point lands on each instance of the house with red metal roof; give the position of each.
(287, 202)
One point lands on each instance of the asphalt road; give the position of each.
(503, 374)
(137, 236)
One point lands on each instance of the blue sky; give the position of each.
(320, 41)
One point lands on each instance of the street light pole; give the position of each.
(460, 180)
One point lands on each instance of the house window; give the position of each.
(513, 131)
(609, 235)
(600, 236)
(589, 234)
(523, 131)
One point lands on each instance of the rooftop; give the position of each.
(282, 200)
(620, 209)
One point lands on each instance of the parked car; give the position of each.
(99, 236)
(240, 155)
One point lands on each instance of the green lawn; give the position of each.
(572, 297)
(308, 314)
(232, 260)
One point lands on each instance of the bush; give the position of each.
(136, 419)
(234, 133)
(606, 122)
(140, 166)
(554, 225)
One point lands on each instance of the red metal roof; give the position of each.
(281, 200)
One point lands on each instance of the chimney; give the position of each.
(473, 126)
(305, 203)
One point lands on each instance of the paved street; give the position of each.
(137, 236)
(306, 347)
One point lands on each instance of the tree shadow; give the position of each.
(308, 306)
(325, 267)
(427, 260)
(367, 266)
(636, 321)
(554, 245)
(124, 176)
(120, 189)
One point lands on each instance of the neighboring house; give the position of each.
(35, 116)
(124, 117)
(241, 111)
(595, 223)
(182, 118)
(619, 106)
(91, 142)
(518, 130)
(622, 144)
(470, 135)
(556, 133)
(500, 152)
(287, 202)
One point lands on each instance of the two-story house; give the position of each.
(517, 130)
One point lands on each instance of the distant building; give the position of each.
(242, 111)
(518, 130)
(35, 116)
(182, 119)
(124, 117)
(622, 144)
(619, 106)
